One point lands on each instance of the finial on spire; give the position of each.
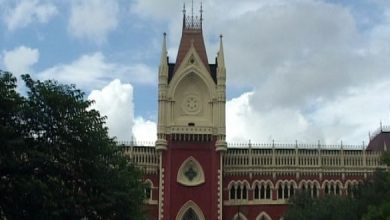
(221, 58)
(201, 12)
(184, 8)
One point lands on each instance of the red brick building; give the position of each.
(191, 172)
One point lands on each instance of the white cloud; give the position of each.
(116, 102)
(245, 123)
(20, 60)
(144, 130)
(93, 19)
(302, 58)
(26, 12)
(93, 71)
(348, 118)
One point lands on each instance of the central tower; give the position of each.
(191, 127)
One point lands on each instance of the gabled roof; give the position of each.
(192, 34)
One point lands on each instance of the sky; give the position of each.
(297, 70)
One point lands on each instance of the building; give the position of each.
(191, 172)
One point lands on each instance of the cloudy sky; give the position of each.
(297, 69)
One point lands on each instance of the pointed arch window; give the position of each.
(232, 192)
(280, 191)
(256, 192)
(268, 192)
(190, 211)
(315, 191)
(262, 192)
(148, 189)
(190, 214)
(244, 192)
(190, 173)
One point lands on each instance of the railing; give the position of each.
(304, 160)
(295, 145)
(270, 158)
(146, 158)
(137, 143)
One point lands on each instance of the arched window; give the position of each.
(280, 191)
(256, 192)
(190, 211)
(303, 188)
(190, 215)
(285, 191)
(244, 192)
(326, 190)
(315, 191)
(232, 192)
(239, 192)
(291, 190)
(268, 192)
(148, 190)
(262, 192)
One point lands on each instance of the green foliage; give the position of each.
(57, 160)
(371, 201)
(302, 206)
(375, 194)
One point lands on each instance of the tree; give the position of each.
(303, 206)
(376, 194)
(57, 160)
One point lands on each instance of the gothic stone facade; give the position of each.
(193, 174)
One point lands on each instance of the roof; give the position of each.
(192, 34)
(380, 141)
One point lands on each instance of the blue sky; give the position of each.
(297, 69)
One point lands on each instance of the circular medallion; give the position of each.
(191, 104)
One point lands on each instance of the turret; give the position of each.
(161, 142)
(221, 92)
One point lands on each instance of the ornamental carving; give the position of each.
(191, 104)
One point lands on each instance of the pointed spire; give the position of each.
(201, 13)
(164, 55)
(164, 52)
(184, 15)
(221, 55)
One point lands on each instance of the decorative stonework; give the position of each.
(191, 104)
(190, 173)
